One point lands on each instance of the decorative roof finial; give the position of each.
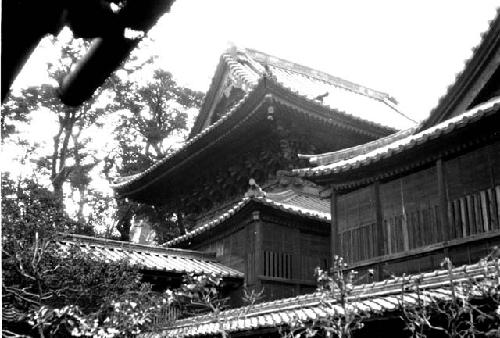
(321, 97)
(255, 190)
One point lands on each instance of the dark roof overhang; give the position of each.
(158, 180)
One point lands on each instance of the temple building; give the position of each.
(287, 168)
(259, 114)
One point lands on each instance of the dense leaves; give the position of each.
(61, 292)
(153, 122)
(70, 160)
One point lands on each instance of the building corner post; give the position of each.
(334, 226)
(443, 201)
(258, 249)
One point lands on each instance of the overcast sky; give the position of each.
(409, 49)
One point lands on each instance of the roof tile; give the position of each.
(385, 296)
(361, 158)
(149, 257)
(301, 205)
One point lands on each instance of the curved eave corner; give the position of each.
(141, 181)
(209, 226)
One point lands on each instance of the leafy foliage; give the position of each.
(153, 116)
(200, 293)
(70, 160)
(61, 293)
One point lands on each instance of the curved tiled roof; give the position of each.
(345, 100)
(374, 298)
(295, 207)
(401, 145)
(129, 179)
(149, 257)
(347, 153)
(343, 96)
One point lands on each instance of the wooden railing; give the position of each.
(474, 213)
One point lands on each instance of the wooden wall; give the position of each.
(473, 192)
(357, 224)
(234, 249)
(293, 253)
(454, 199)
(410, 209)
(276, 252)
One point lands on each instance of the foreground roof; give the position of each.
(147, 257)
(367, 155)
(375, 298)
(289, 202)
(265, 81)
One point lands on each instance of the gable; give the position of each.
(240, 70)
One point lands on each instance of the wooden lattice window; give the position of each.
(277, 264)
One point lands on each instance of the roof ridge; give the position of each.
(320, 75)
(317, 74)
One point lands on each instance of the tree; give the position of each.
(153, 116)
(70, 160)
(64, 293)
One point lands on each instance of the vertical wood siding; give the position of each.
(473, 191)
(357, 224)
(411, 206)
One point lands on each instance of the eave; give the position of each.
(148, 258)
(459, 134)
(246, 206)
(254, 104)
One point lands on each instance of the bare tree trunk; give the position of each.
(81, 204)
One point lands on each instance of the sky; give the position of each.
(409, 49)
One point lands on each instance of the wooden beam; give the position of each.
(334, 227)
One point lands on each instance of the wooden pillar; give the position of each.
(334, 227)
(443, 201)
(379, 219)
(258, 249)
